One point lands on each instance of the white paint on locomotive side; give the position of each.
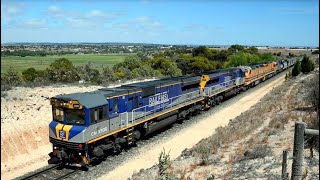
(99, 131)
(158, 98)
(227, 81)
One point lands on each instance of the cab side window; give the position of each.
(115, 104)
(97, 115)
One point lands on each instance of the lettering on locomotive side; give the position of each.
(158, 98)
(99, 131)
(227, 80)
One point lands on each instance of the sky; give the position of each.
(190, 22)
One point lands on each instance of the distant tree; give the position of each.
(235, 48)
(213, 54)
(291, 55)
(222, 55)
(201, 64)
(279, 54)
(129, 63)
(315, 51)
(201, 51)
(62, 70)
(266, 57)
(165, 66)
(142, 56)
(146, 71)
(183, 63)
(241, 58)
(132, 62)
(168, 54)
(252, 50)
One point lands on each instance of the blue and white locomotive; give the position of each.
(87, 126)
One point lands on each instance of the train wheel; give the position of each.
(85, 168)
(188, 116)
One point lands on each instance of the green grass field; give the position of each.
(40, 62)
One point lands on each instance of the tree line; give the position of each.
(162, 64)
(24, 53)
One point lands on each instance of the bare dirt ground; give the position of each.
(25, 118)
(192, 135)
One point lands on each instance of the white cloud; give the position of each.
(56, 12)
(93, 18)
(34, 23)
(145, 1)
(290, 10)
(79, 22)
(13, 10)
(10, 12)
(97, 13)
(148, 22)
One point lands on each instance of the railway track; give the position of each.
(53, 172)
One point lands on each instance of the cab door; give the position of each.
(123, 103)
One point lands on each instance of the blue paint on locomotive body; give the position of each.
(224, 78)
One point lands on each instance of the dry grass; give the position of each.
(243, 125)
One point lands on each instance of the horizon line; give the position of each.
(158, 44)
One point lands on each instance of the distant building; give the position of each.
(262, 47)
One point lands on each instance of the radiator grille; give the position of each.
(65, 144)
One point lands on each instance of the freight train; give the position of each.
(89, 126)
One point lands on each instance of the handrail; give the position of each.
(208, 90)
(169, 103)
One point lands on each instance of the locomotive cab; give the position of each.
(73, 117)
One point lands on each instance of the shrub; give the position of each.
(119, 75)
(259, 151)
(42, 78)
(204, 152)
(306, 65)
(313, 95)
(164, 163)
(12, 77)
(88, 73)
(107, 75)
(4, 94)
(315, 51)
(296, 69)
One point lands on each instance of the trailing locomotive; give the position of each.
(88, 126)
